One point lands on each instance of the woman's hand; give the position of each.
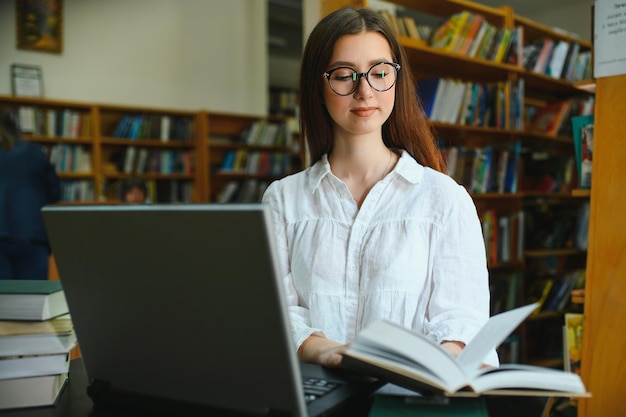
(326, 352)
(453, 346)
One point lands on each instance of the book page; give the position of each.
(405, 346)
(519, 377)
(493, 333)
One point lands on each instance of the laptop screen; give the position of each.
(179, 302)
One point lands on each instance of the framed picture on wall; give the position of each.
(26, 80)
(40, 25)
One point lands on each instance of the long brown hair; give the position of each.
(406, 127)
(9, 131)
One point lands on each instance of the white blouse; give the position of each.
(413, 254)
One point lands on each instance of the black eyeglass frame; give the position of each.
(360, 75)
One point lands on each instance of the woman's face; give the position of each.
(364, 111)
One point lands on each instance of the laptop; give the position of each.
(180, 307)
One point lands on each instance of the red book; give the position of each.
(549, 118)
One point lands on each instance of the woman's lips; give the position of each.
(364, 111)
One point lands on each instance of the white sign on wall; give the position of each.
(609, 38)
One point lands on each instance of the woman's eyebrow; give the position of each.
(352, 64)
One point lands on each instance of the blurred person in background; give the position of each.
(28, 182)
(134, 191)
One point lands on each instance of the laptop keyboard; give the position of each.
(315, 388)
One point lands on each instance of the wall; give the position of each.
(187, 54)
(575, 16)
(570, 15)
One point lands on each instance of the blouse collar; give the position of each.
(407, 167)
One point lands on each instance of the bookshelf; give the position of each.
(244, 153)
(603, 348)
(543, 173)
(65, 132)
(157, 145)
(178, 153)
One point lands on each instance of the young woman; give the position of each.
(374, 229)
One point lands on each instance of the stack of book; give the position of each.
(36, 338)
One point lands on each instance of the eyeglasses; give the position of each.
(345, 80)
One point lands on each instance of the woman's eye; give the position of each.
(347, 77)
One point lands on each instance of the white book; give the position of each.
(27, 119)
(478, 39)
(129, 159)
(557, 61)
(83, 160)
(461, 97)
(51, 122)
(142, 160)
(228, 192)
(406, 358)
(18, 338)
(447, 100)
(166, 123)
(440, 95)
(31, 392)
(466, 104)
(35, 365)
(74, 128)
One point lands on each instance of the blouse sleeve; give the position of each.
(299, 317)
(459, 304)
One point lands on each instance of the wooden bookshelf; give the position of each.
(603, 359)
(538, 90)
(258, 161)
(65, 131)
(170, 149)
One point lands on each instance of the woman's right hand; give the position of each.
(325, 352)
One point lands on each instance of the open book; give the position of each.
(403, 357)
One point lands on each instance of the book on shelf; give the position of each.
(558, 58)
(514, 56)
(573, 342)
(65, 123)
(543, 58)
(31, 391)
(548, 119)
(559, 297)
(31, 300)
(476, 24)
(582, 130)
(401, 356)
(228, 192)
(427, 89)
(503, 236)
(505, 288)
(502, 49)
(37, 337)
(538, 292)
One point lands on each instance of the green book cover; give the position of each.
(401, 406)
(29, 286)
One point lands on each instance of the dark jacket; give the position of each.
(27, 183)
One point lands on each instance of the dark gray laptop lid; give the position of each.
(179, 302)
